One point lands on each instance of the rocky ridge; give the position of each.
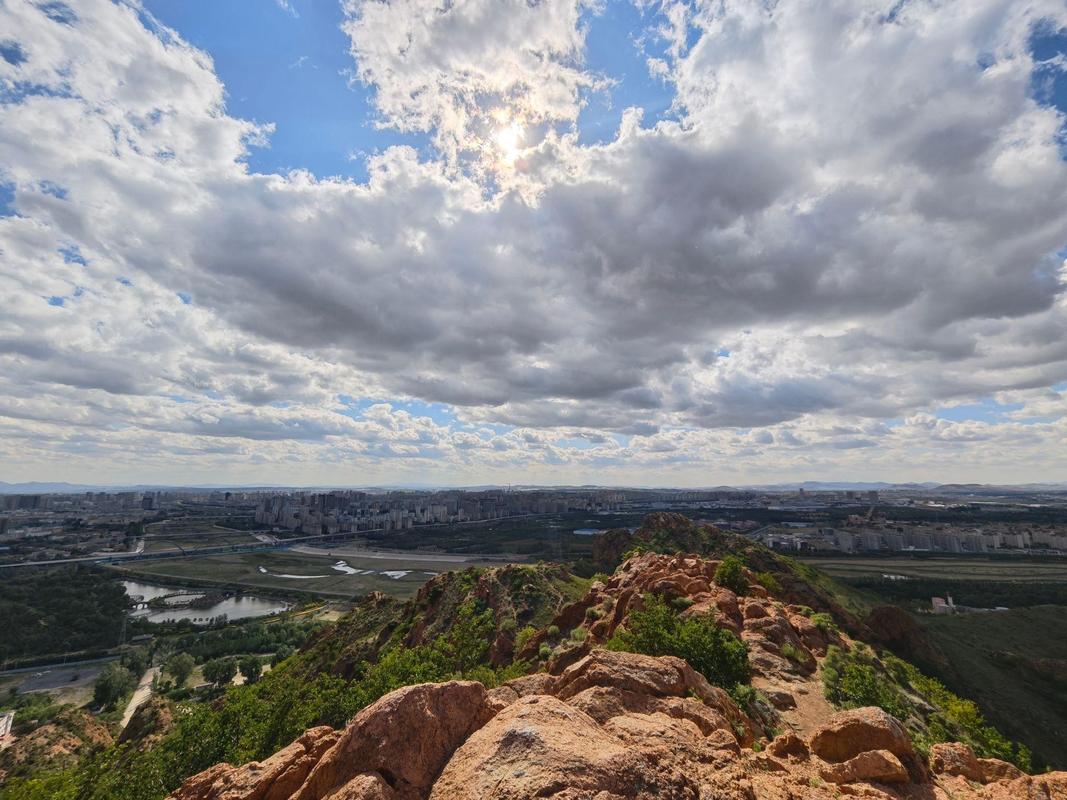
(608, 725)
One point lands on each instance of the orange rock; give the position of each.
(406, 738)
(849, 733)
(541, 747)
(993, 769)
(955, 759)
(277, 778)
(880, 766)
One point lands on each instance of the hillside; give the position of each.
(722, 672)
(615, 712)
(518, 597)
(992, 658)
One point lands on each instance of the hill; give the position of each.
(692, 672)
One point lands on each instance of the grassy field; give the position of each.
(1014, 664)
(971, 568)
(319, 576)
(549, 537)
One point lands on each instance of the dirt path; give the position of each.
(140, 694)
(812, 707)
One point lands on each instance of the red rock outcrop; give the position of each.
(604, 725)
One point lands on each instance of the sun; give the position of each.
(509, 139)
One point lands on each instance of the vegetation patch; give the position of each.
(657, 630)
(930, 711)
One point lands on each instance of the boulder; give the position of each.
(953, 758)
(880, 766)
(370, 786)
(848, 733)
(659, 677)
(993, 769)
(406, 738)
(541, 747)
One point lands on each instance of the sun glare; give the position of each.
(509, 140)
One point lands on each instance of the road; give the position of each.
(58, 665)
(340, 551)
(140, 694)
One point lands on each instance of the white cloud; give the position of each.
(851, 221)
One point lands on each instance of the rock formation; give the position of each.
(608, 725)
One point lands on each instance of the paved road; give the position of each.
(50, 679)
(341, 551)
(140, 694)
(57, 665)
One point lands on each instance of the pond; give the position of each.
(242, 607)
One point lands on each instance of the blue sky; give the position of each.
(290, 69)
(293, 68)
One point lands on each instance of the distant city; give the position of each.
(917, 518)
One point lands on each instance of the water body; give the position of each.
(243, 607)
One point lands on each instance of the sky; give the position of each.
(498, 241)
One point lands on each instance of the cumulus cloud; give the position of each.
(855, 215)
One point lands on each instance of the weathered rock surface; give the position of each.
(859, 730)
(874, 765)
(277, 778)
(406, 738)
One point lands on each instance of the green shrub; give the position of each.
(682, 603)
(523, 637)
(850, 680)
(553, 631)
(657, 630)
(593, 613)
(731, 575)
(545, 652)
(824, 622)
(793, 653)
(579, 634)
(769, 582)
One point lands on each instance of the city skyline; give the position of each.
(563, 243)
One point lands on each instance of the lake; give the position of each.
(243, 607)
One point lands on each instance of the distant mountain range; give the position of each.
(60, 487)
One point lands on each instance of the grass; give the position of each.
(947, 568)
(1014, 665)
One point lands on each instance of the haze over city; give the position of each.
(654, 244)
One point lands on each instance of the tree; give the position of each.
(220, 671)
(136, 660)
(251, 668)
(283, 652)
(180, 667)
(731, 574)
(112, 684)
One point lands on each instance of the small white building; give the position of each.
(943, 605)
